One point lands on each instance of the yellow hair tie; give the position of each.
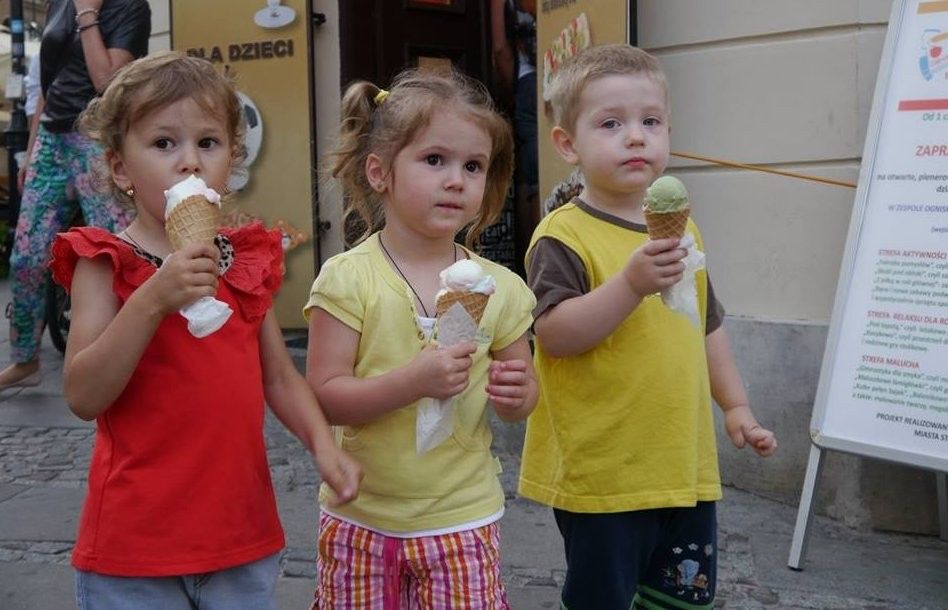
(380, 97)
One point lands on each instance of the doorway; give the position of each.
(379, 38)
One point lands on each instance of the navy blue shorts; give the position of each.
(646, 559)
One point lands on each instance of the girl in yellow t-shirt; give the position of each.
(418, 165)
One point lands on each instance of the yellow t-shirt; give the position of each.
(456, 482)
(628, 424)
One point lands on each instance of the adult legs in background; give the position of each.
(93, 185)
(58, 161)
(44, 209)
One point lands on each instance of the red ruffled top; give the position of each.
(179, 481)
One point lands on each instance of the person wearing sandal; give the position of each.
(85, 42)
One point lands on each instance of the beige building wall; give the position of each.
(782, 84)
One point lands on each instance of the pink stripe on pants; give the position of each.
(358, 569)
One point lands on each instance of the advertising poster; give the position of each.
(264, 45)
(565, 27)
(885, 376)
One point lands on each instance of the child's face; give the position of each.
(166, 146)
(621, 136)
(436, 183)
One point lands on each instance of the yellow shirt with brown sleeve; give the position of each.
(626, 425)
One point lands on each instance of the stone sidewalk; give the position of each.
(44, 453)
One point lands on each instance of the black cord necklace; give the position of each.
(142, 252)
(404, 277)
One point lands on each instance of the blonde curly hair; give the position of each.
(151, 83)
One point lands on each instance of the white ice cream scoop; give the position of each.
(189, 187)
(467, 276)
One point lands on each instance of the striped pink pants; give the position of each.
(358, 569)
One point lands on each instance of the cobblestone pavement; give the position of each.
(34, 457)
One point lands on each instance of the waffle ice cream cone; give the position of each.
(474, 303)
(466, 284)
(193, 221)
(193, 213)
(666, 208)
(666, 224)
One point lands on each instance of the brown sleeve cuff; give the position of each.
(555, 273)
(715, 314)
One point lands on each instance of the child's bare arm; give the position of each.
(512, 383)
(292, 401)
(351, 400)
(727, 388)
(105, 342)
(577, 325)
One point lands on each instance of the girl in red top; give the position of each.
(180, 497)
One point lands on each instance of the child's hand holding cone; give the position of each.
(655, 266)
(184, 278)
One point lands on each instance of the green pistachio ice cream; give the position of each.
(667, 194)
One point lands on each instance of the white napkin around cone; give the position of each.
(683, 295)
(434, 422)
(206, 315)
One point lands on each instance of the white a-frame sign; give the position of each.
(883, 389)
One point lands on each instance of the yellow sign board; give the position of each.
(565, 27)
(264, 44)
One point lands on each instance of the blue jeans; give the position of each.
(251, 586)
